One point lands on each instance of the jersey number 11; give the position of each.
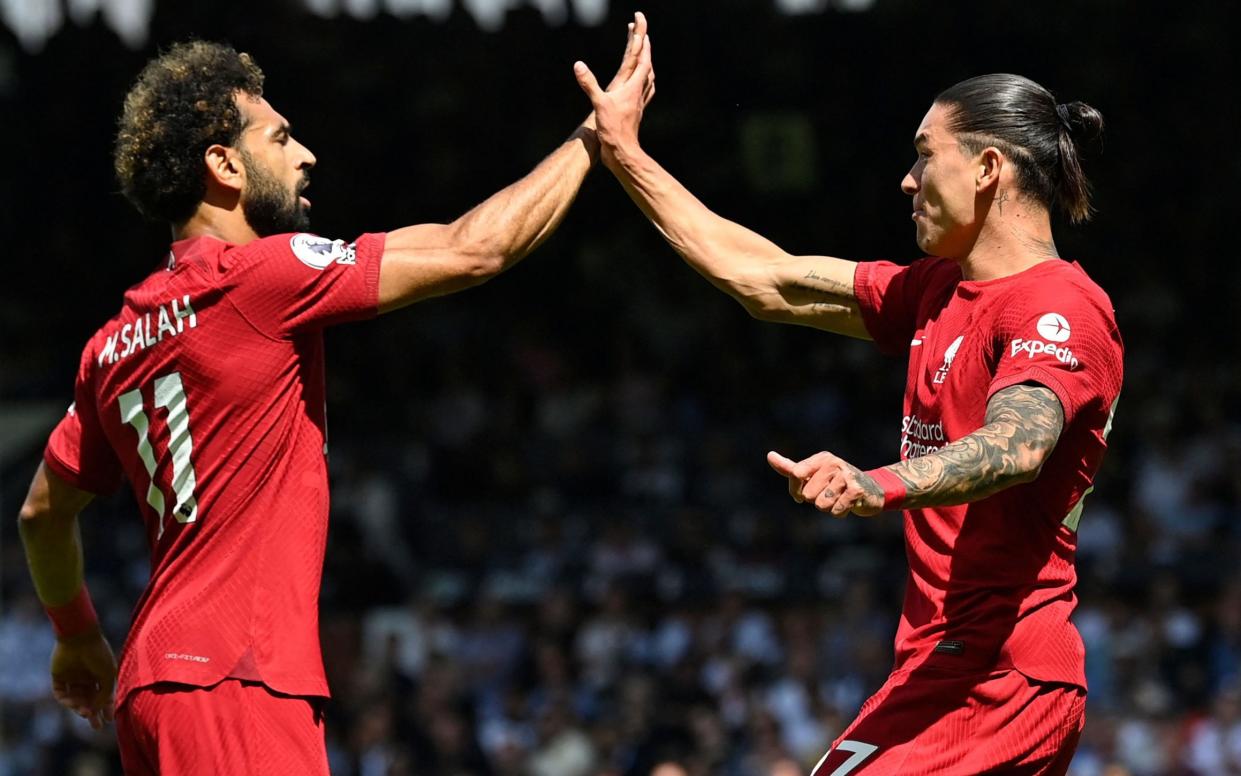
(169, 395)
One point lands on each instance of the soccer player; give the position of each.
(206, 392)
(1014, 368)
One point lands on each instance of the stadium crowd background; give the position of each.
(556, 548)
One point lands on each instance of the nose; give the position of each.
(912, 181)
(307, 158)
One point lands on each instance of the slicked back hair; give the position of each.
(1041, 137)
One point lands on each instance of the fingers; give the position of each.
(808, 466)
(837, 496)
(783, 466)
(633, 50)
(92, 701)
(823, 479)
(633, 47)
(103, 698)
(817, 484)
(644, 69)
(586, 80)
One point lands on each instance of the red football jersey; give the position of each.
(991, 583)
(207, 393)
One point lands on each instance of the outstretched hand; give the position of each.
(830, 483)
(618, 109)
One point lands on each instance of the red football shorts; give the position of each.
(235, 727)
(930, 721)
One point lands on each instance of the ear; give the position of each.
(224, 167)
(989, 166)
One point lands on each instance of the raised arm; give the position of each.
(1020, 430)
(83, 667)
(429, 260)
(770, 283)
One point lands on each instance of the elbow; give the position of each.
(763, 307)
(32, 520)
(483, 265)
(755, 308)
(1032, 468)
(29, 514)
(481, 258)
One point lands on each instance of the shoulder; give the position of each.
(919, 277)
(935, 268)
(1063, 288)
(931, 275)
(306, 248)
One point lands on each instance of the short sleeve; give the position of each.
(290, 283)
(1067, 342)
(78, 450)
(889, 295)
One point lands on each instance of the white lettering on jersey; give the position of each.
(1034, 348)
(164, 325)
(918, 437)
(320, 252)
(141, 333)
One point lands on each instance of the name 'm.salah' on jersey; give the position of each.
(206, 392)
(991, 584)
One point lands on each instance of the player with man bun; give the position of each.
(1014, 368)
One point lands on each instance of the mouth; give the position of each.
(918, 213)
(305, 202)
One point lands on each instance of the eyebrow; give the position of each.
(922, 138)
(284, 128)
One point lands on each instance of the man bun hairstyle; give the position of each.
(182, 103)
(1042, 138)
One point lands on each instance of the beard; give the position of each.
(269, 208)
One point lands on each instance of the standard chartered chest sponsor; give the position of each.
(919, 438)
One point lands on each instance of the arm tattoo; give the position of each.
(822, 294)
(828, 285)
(1022, 425)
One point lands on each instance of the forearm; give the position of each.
(514, 221)
(427, 260)
(54, 555)
(972, 468)
(769, 282)
(725, 253)
(1023, 424)
(48, 525)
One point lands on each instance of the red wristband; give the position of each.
(893, 487)
(74, 618)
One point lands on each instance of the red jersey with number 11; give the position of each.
(207, 393)
(991, 583)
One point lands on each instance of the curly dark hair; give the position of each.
(182, 103)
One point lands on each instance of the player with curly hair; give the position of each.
(206, 392)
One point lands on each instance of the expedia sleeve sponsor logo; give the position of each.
(919, 438)
(1034, 348)
(1054, 329)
